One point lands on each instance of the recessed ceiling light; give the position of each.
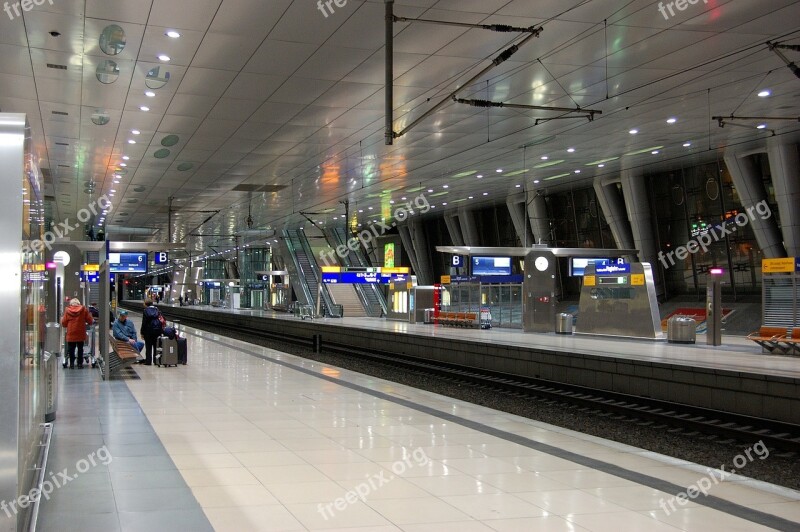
(671, 120)
(445, 186)
(444, 204)
(687, 144)
(577, 171)
(518, 186)
(480, 176)
(371, 208)
(123, 164)
(601, 166)
(571, 150)
(361, 210)
(536, 181)
(633, 131)
(391, 202)
(150, 94)
(485, 193)
(131, 141)
(544, 157)
(126, 158)
(499, 170)
(764, 93)
(173, 34)
(136, 132)
(761, 126)
(430, 190)
(403, 198)
(163, 57)
(655, 152)
(471, 197)
(144, 108)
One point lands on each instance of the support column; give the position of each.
(540, 221)
(420, 241)
(784, 164)
(613, 207)
(516, 209)
(454, 229)
(637, 204)
(469, 230)
(751, 191)
(408, 246)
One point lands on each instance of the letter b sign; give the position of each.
(162, 257)
(458, 261)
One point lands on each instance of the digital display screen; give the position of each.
(127, 262)
(491, 265)
(577, 265)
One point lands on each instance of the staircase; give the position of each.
(372, 300)
(345, 295)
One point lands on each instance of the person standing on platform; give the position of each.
(75, 320)
(151, 330)
(180, 301)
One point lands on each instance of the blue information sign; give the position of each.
(612, 269)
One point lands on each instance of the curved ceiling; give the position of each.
(277, 109)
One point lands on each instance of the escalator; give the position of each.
(371, 295)
(305, 275)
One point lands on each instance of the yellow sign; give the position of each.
(331, 269)
(404, 270)
(90, 268)
(445, 279)
(388, 255)
(590, 280)
(637, 279)
(34, 267)
(778, 265)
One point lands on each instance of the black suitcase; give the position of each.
(183, 350)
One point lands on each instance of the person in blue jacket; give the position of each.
(124, 331)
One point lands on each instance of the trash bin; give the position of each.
(681, 330)
(51, 386)
(563, 323)
(429, 315)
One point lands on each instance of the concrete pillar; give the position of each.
(540, 220)
(469, 230)
(516, 209)
(408, 246)
(420, 241)
(784, 164)
(750, 188)
(454, 228)
(613, 207)
(637, 205)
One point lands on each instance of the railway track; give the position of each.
(715, 425)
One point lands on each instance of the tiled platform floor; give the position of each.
(268, 441)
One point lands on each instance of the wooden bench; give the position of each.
(120, 356)
(773, 338)
(458, 319)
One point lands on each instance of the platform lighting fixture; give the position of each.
(518, 186)
(131, 141)
(445, 186)
(577, 171)
(633, 131)
(764, 93)
(570, 150)
(126, 158)
(601, 166)
(430, 190)
(150, 94)
(144, 108)
(444, 204)
(544, 157)
(499, 170)
(480, 176)
(485, 193)
(136, 132)
(536, 181)
(164, 58)
(671, 120)
(687, 144)
(172, 34)
(655, 152)
(403, 198)
(761, 126)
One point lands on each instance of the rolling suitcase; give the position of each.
(169, 352)
(182, 350)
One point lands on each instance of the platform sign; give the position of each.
(445, 279)
(637, 279)
(161, 257)
(90, 268)
(787, 265)
(90, 277)
(457, 261)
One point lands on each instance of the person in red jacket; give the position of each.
(75, 320)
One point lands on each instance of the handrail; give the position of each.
(362, 261)
(302, 277)
(322, 289)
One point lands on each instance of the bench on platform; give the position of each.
(120, 356)
(459, 319)
(776, 339)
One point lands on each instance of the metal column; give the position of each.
(613, 207)
(750, 187)
(540, 221)
(408, 246)
(469, 230)
(516, 209)
(784, 164)
(454, 229)
(637, 205)
(420, 241)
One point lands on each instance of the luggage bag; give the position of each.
(182, 350)
(168, 355)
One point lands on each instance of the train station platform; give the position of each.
(734, 377)
(270, 441)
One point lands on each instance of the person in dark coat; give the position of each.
(75, 320)
(151, 330)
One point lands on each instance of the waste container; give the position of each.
(429, 315)
(563, 323)
(681, 330)
(51, 386)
